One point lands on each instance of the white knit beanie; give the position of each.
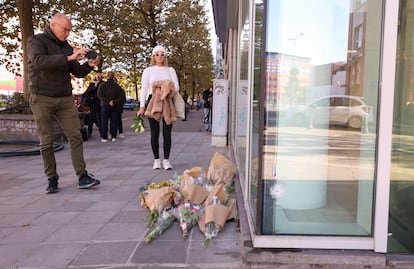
(158, 49)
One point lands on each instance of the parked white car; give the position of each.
(346, 110)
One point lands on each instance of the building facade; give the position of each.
(321, 106)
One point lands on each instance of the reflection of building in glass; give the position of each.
(287, 77)
(356, 49)
(328, 79)
(293, 79)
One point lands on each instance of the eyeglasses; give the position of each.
(64, 28)
(159, 54)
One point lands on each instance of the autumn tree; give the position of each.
(123, 32)
(189, 40)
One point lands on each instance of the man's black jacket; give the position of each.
(49, 70)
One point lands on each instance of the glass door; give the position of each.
(320, 134)
(401, 215)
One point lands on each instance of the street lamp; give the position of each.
(294, 42)
(293, 79)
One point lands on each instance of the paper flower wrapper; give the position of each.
(220, 170)
(194, 193)
(212, 221)
(157, 198)
(219, 192)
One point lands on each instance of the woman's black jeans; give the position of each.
(155, 133)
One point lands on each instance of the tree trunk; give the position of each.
(24, 8)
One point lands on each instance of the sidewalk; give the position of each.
(104, 227)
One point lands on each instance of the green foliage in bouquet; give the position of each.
(211, 231)
(164, 221)
(138, 125)
(152, 218)
(188, 218)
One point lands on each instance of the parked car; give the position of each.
(345, 110)
(130, 104)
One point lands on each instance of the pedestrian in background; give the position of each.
(90, 99)
(52, 61)
(111, 95)
(208, 98)
(187, 106)
(121, 111)
(158, 71)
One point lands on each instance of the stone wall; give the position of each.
(22, 127)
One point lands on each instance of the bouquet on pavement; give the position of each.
(214, 219)
(193, 186)
(156, 198)
(216, 213)
(138, 125)
(165, 219)
(188, 214)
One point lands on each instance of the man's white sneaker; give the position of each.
(122, 136)
(157, 164)
(113, 139)
(166, 164)
(104, 140)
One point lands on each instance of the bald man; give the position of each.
(52, 61)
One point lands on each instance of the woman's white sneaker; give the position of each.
(157, 164)
(166, 164)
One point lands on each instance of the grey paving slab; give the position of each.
(9, 209)
(121, 194)
(91, 197)
(19, 200)
(18, 219)
(5, 231)
(129, 216)
(73, 206)
(29, 234)
(75, 232)
(12, 254)
(221, 251)
(106, 253)
(54, 218)
(94, 216)
(52, 255)
(161, 251)
(120, 231)
(107, 206)
(41, 205)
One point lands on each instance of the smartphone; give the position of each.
(91, 55)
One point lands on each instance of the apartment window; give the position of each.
(358, 37)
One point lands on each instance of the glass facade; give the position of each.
(401, 216)
(313, 101)
(322, 81)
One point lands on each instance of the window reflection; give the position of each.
(322, 82)
(401, 217)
